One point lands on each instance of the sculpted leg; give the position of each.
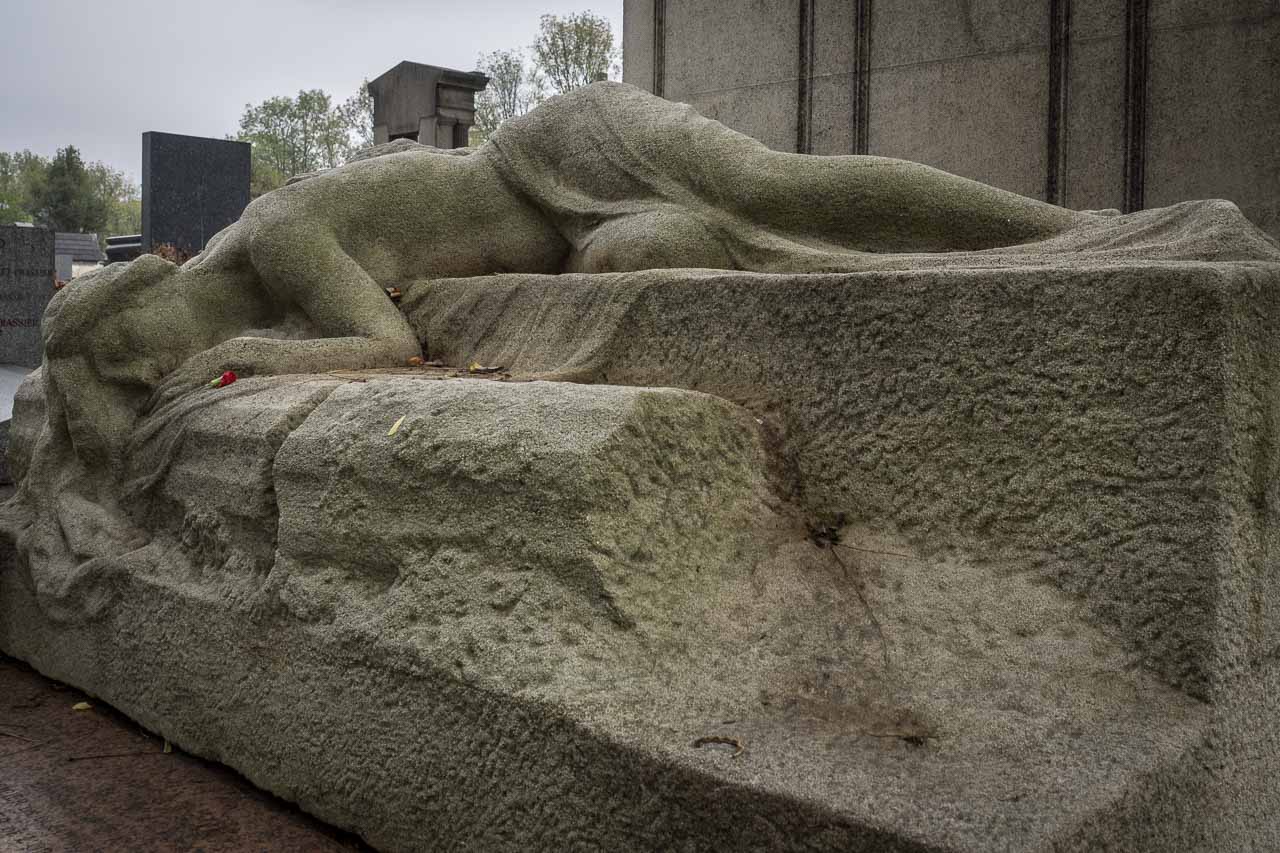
(878, 204)
(664, 237)
(608, 163)
(874, 204)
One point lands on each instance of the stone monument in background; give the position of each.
(1130, 104)
(75, 253)
(425, 103)
(192, 188)
(26, 286)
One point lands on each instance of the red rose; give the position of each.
(224, 380)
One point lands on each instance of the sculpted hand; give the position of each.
(238, 354)
(274, 356)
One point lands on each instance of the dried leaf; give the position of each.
(81, 706)
(395, 427)
(167, 748)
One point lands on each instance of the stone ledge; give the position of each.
(427, 680)
(427, 676)
(381, 737)
(1106, 425)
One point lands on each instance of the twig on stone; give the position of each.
(727, 741)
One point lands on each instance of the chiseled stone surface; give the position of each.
(506, 624)
(945, 529)
(1094, 420)
(435, 639)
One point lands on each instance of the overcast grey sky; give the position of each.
(97, 73)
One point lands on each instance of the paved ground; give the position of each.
(92, 780)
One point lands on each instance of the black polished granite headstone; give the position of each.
(192, 188)
(26, 286)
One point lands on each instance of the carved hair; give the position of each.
(77, 309)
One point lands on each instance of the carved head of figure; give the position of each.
(109, 339)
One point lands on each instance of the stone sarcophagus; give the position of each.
(962, 550)
(426, 104)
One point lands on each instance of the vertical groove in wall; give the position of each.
(659, 47)
(804, 94)
(1137, 39)
(1059, 75)
(861, 75)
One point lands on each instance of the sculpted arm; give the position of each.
(324, 249)
(302, 267)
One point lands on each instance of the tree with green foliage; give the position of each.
(121, 196)
(515, 87)
(21, 175)
(295, 135)
(263, 174)
(10, 206)
(68, 194)
(291, 136)
(69, 198)
(356, 113)
(574, 51)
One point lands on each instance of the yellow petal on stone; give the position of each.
(81, 706)
(395, 427)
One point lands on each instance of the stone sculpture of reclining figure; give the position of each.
(607, 178)
(604, 179)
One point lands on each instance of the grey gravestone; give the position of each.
(192, 188)
(26, 286)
